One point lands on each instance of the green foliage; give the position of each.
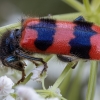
(91, 12)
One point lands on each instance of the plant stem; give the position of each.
(62, 76)
(95, 4)
(75, 4)
(9, 27)
(87, 5)
(68, 16)
(92, 80)
(26, 80)
(76, 82)
(43, 85)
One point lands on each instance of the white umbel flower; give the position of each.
(7, 98)
(56, 91)
(6, 86)
(26, 93)
(37, 73)
(52, 99)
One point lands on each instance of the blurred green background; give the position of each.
(12, 10)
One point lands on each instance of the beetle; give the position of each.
(77, 38)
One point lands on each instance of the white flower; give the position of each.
(7, 98)
(56, 91)
(52, 99)
(26, 93)
(6, 86)
(37, 73)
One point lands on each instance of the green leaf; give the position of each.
(92, 80)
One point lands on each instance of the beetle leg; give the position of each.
(68, 59)
(23, 72)
(64, 59)
(36, 64)
(26, 56)
(13, 62)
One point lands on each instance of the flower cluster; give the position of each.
(37, 73)
(6, 88)
(23, 92)
(91, 12)
(27, 93)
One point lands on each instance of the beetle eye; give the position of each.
(16, 29)
(17, 32)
